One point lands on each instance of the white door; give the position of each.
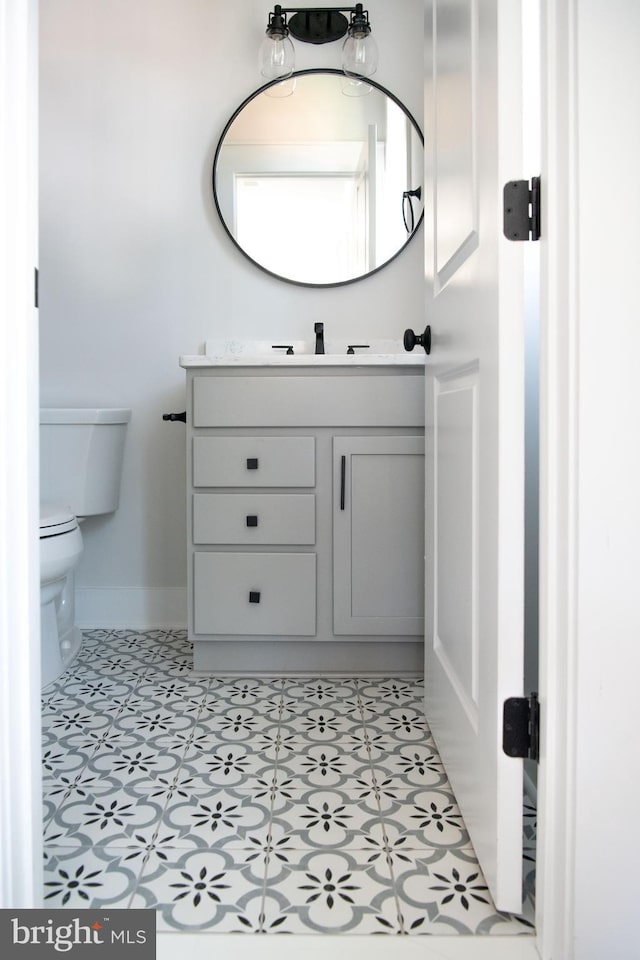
(475, 420)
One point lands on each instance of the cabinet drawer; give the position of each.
(309, 401)
(254, 518)
(254, 462)
(255, 593)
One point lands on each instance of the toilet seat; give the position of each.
(56, 520)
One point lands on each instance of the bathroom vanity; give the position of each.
(305, 513)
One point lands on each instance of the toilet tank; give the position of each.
(81, 452)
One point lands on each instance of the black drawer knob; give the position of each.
(252, 521)
(254, 596)
(252, 463)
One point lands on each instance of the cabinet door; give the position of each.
(378, 535)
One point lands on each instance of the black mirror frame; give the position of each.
(278, 276)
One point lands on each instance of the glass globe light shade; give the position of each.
(360, 56)
(276, 57)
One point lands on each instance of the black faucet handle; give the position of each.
(352, 347)
(283, 346)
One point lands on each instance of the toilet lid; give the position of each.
(55, 519)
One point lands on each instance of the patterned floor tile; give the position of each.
(233, 724)
(450, 894)
(86, 783)
(57, 761)
(331, 892)
(154, 721)
(325, 765)
(326, 818)
(158, 790)
(270, 854)
(92, 740)
(323, 725)
(294, 712)
(275, 742)
(58, 699)
(105, 819)
(403, 724)
(173, 667)
(427, 818)
(177, 742)
(76, 720)
(219, 817)
(409, 765)
(223, 705)
(84, 877)
(172, 692)
(91, 684)
(200, 890)
(372, 743)
(264, 805)
(130, 765)
(118, 663)
(227, 765)
(394, 691)
(245, 692)
(320, 692)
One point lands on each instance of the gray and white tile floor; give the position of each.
(253, 805)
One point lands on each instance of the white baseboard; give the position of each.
(120, 607)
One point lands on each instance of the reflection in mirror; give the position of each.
(319, 188)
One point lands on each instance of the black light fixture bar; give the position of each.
(320, 24)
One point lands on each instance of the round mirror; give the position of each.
(318, 179)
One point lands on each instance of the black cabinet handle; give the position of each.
(254, 596)
(343, 480)
(252, 463)
(252, 520)
(175, 416)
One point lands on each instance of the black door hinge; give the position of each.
(521, 209)
(521, 727)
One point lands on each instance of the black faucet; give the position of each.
(319, 332)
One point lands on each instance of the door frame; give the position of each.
(558, 637)
(20, 762)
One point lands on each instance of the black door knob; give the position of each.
(422, 339)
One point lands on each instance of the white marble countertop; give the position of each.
(307, 360)
(255, 353)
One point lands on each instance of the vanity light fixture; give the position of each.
(276, 56)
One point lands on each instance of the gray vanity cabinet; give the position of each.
(305, 517)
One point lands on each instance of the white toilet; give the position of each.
(81, 452)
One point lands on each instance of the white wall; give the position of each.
(135, 268)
